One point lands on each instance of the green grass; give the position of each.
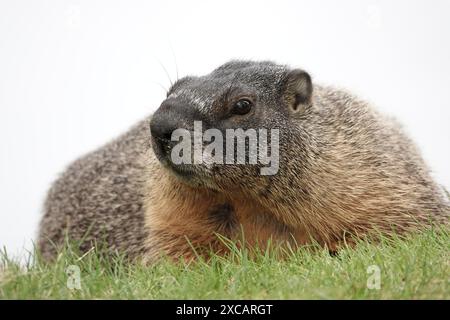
(417, 267)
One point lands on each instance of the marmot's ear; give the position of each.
(298, 90)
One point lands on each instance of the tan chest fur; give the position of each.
(180, 218)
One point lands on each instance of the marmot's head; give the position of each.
(242, 95)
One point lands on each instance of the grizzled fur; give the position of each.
(345, 171)
(98, 199)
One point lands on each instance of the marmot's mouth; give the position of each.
(185, 170)
(192, 175)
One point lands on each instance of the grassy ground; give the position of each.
(414, 268)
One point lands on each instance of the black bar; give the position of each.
(222, 309)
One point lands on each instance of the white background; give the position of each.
(74, 74)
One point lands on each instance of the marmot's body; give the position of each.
(344, 171)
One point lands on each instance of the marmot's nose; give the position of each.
(169, 117)
(162, 127)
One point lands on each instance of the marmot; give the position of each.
(344, 171)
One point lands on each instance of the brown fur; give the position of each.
(368, 191)
(179, 218)
(346, 171)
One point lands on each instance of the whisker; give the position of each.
(161, 86)
(165, 70)
(175, 59)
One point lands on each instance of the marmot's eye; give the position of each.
(242, 106)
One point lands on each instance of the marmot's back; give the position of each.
(369, 172)
(98, 198)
